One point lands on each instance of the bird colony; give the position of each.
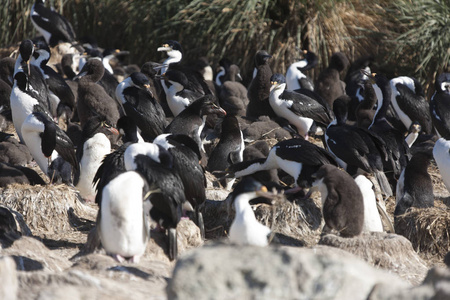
(137, 142)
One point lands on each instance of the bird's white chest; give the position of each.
(245, 229)
(442, 157)
(176, 103)
(372, 220)
(123, 228)
(94, 150)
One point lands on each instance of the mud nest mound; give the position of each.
(385, 250)
(296, 223)
(48, 209)
(427, 229)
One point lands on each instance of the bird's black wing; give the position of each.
(305, 106)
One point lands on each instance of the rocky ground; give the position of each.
(50, 260)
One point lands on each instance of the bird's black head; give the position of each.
(248, 185)
(277, 78)
(26, 49)
(311, 58)
(22, 79)
(148, 69)
(340, 108)
(261, 57)
(94, 68)
(208, 107)
(176, 76)
(171, 45)
(339, 61)
(140, 80)
(443, 83)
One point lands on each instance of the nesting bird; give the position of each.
(245, 229)
(415, 187)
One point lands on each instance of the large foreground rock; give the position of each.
(231, 272)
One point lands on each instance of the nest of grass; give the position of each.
(48, 209)
(385, 250)
(427, 229)
(295, 223)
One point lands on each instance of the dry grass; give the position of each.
(48, 210)
(427, 229)
(300, 220)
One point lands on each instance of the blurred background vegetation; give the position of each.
(406, 37)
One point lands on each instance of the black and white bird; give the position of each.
(342, 201)
(178, 94)
(174, 51)
(92, 98)
(186, 162)
(53, 26)
(30, 91)
(295, 78)
(123, 221)
(297, 157)
(395, 144)
(299, 109)
(50, 147)
(356, 149)
(259, 88)
(139, 104)
(60, 94)
(410, 104)
(166, 188)
(415, 187)
(191, 121)
(440, 105)
(91, 151)
(329, 84)
(229, 150)
(245, 228)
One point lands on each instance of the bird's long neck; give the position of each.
(383, 103)
(243, 209)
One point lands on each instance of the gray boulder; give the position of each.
(231, 272)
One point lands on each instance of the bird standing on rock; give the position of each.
(342, 201)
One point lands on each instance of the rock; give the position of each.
(436, 286)
(31, 255)
(230, 272)
(8, 278)
(385, 250)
